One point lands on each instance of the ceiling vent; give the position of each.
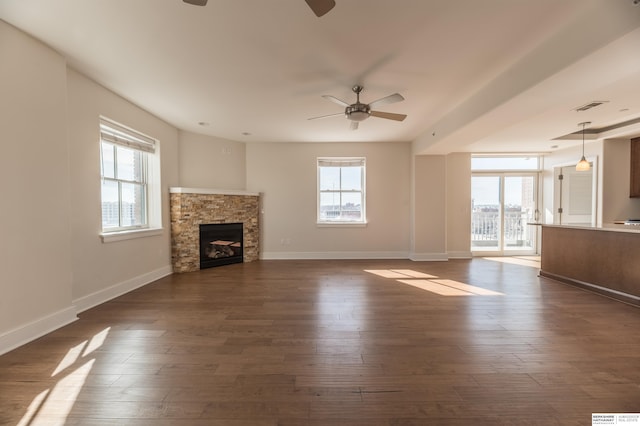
(590, 105)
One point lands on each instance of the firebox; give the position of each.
(220, 244)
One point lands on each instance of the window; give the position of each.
(505, 162)
(127, 164)
(341, 195)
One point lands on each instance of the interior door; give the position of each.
(576, 197)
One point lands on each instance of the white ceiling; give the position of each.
(486, 76)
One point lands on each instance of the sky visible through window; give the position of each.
(486, 190)
(330, 178)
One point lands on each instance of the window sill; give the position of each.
(112, 237)
(341, 224)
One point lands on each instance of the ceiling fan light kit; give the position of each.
(359, 111)
(196, 2)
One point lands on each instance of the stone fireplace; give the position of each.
(193, 207)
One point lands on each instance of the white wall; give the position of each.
(616, 173)
(53, 261)
(103, 270)
(458, 205)
(286, 174)
(209, 162)
(35, 285)
(429, 225)
(441, 215)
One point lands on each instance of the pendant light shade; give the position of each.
(583, 165)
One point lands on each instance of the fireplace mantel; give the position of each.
(192, 207)
(211, 191)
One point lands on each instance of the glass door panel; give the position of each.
(486, 229)
(519, 210)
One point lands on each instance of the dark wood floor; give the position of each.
(462, 342)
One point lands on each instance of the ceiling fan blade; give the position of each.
(388, 115)
(336, 100)
(354, 125)
(396, 97)
(196, 2)
(321, 7)
(326, 116)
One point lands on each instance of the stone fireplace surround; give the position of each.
(191, 207)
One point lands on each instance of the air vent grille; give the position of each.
(590, 105)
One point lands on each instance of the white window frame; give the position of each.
(342, 162)
(116, 134)
(505, 167)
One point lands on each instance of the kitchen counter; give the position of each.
(605, 260)
(615, 227)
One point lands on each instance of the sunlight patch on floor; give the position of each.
(472, 289)
(52, 406)
(96, 341)
(34, 407)
(432, 283)
(399, 273)
(532, 261)
(69, 359)
(436, 288)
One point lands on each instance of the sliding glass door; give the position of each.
(486, 213)
(503, 205)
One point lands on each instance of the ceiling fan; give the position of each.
(358, 111)
(319, 7)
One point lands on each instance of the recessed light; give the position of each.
(624, 110)
(203, 123)
(246, 134)
(554, 146)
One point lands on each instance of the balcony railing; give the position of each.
(485, 229)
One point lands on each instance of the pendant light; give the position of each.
(583, 165)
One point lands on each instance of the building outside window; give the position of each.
(126, 157)
(341, 191)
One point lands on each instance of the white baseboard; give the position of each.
(460, 255)
(429, 257)
(41, 326)
(35, 329)
(333, 255)
(94, 299)
(364, 255)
